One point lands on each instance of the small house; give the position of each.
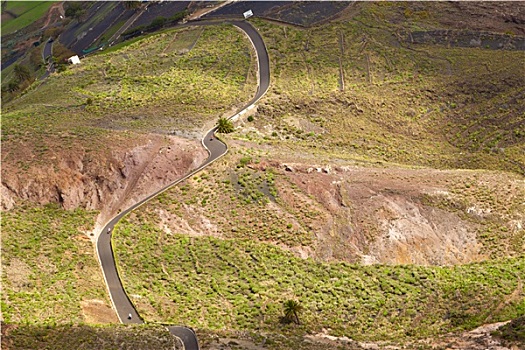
(74, 59)
(248, 14)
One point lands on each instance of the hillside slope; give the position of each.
(379, 182)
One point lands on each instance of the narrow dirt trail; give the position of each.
(58, 8)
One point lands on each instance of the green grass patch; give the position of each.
(81, 336)
(240, 284)
(49, 265)
(109, 33)
(184, 40)
(421, 105)
(137, 88)
(27, 11)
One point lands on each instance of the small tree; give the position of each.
(131, 5)
(158, 22)
(61, 53)
(224, 126)
(53, 32)
(292, 309)
(22, 73)
(75, 10)
(35, 57)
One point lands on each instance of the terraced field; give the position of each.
(356, 91)
(26, 13)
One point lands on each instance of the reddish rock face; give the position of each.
(106, 181)
(398, 216)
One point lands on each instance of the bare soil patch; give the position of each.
(468, 39)
(107, 180)
(379, 217)
(338, 211)
(54, 14)
(97, 312)
(18, 274)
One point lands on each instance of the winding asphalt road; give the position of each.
(48, 49)
(216, 149)
(47, 54)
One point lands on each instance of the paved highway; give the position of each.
(216, 149)
(48, 49)
(47, 55)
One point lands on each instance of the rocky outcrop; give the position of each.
(107, 181)
(369, 215)
(7, 198)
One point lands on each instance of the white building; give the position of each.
(248, 14)
(74, 59)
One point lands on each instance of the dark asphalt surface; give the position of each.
(187, 335)
(165, 9)
(101, 15)
(48, 50)
(216, 149)
(104, 14)
(259, 8)
(11, 60)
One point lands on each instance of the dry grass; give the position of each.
(421, 105)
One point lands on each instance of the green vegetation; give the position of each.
(19, 76)
(21, 72)
(149, 85)
(49, 265)
(129, 5)
(224, 126)
(22, 77)
(60, 56)
(240, 284)
(208, 339)
(27, 11)
(241, 202)
(354, 90)
(87, 109)
(292, 309)
(243, 196)
(514, 331)
(69, 336)
(154, 81)
(494, 204)
(109, 33)
(75, 10)
(156, 24)
(345, 91)
(132, 337)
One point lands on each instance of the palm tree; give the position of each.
(12, 86)
(224, 126)
(292, 309)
